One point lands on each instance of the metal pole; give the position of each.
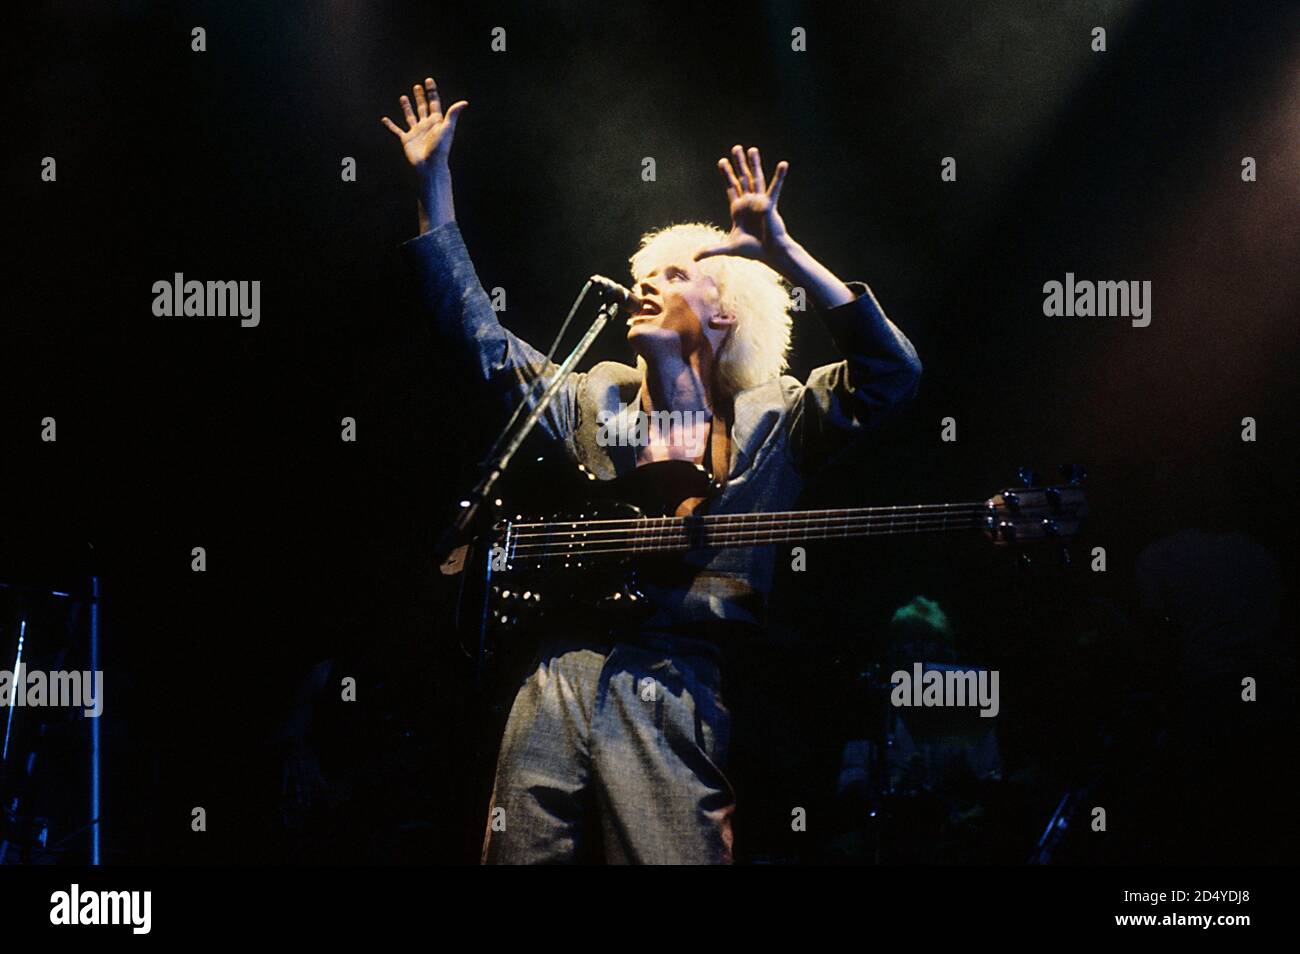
(94, 724)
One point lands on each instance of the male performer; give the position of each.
(615, 747)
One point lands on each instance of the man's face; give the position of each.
(679, 311)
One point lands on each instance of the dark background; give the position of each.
(175, 433)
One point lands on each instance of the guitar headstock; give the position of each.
(1034, 513)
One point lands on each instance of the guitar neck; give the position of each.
(728, 530)
(631, 536)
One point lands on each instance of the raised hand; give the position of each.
(757, 230)
(429, 131)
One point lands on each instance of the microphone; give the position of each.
(608, 289)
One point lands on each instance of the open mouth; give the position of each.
(648, 309)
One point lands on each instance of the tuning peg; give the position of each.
(1066, 560)
(1028, 476)
(1074, 473)
(1024, 562)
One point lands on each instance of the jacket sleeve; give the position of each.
(842, 401)
(462, 316)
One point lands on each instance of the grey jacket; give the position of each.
(783, 431)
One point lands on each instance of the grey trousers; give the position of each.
(613, 754)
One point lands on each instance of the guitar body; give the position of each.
(599, 590)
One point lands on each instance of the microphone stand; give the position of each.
(515, 431)
(457, 533)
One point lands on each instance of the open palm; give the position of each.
(756, 225)
(429, 131)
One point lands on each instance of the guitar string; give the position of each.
(654, 532)
(684, 539)
(644, 527)
(605, 549)
(779, 514)
(650, 533)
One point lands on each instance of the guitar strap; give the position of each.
(720, 444)
(719, 458)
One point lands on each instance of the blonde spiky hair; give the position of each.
(759, 343)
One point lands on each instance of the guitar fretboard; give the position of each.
(630, 536)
